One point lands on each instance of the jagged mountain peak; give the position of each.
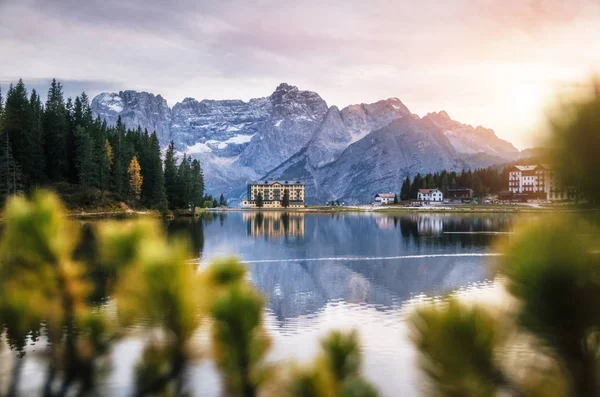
(470, 140)
(294, 132)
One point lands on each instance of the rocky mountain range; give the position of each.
(348, 154)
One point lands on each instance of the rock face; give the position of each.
(468, 140)
(136, 109)
(346, 154)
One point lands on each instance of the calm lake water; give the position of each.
(321, 272)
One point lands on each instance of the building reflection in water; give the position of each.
(274, 224)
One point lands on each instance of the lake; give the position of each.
(321, 272)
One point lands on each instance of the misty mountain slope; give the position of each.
(468, 140)
(350, 153)
(379, 161)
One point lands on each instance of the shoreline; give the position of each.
(471, 209)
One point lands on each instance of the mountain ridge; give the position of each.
(296, 134)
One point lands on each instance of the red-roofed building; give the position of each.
(384, 198)
(430, 195)
(537, 181)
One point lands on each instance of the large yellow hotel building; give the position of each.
(272, 193)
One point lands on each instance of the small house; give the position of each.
(460, 195)
(430, 195)
(384, 198)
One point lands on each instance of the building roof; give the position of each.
(427, 191)
(459, 189)
(532, 167)
(385, 195)
(526, 167)
(272, 182)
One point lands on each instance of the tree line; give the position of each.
(59, 141)
(483, 181)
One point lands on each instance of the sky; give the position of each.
(486, 62)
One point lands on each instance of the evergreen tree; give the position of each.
(36, 140)
(395, 199)
(444, 184)
(415, 186)
(123, 153)
(135, 178)
(197, 184)
(56, 125)
(405, 190)
(259, 200)
(17, 115)
(85, 162)
(431, 182)
(170, 175)
(10, 171)
(222, 202)
(184, 184)
(285, 202)
(154, 180)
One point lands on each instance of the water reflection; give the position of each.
(364, 259)
(274, 224)
(323, 271)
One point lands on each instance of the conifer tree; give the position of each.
(444, 184)
(170, 173)
(222, 201)
(10, 171)
(405, 190)
(17, 115)
(36, 141)
(157, 196)
(135, 178)
(285, 202)
(184, 196)
(197, 184)
(85, 162)
(56, 125)
(260, 200)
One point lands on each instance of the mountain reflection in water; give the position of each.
(327, 271)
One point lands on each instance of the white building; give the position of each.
(430, 195)
(384, 198)
(537, 181)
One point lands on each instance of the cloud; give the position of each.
(431, 54)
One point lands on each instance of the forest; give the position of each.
(483, 181)
(59, 145)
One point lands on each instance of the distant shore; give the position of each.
(386, 209)
(397, 209)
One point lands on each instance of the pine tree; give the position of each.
(444, 184)
(56, 125)
(183, 198)
(36, 141)
(158, 196)
(222, 201)
(405, 190)
(259, 200)
(197, 184)
(10, 171)
(431, 182)
(395, 199)
(17, 115)
(86, 164)
(415, 186)
(285, 202)
(170, 175)
(135, 178)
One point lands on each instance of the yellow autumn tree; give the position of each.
(135, 177)
(109, 153)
